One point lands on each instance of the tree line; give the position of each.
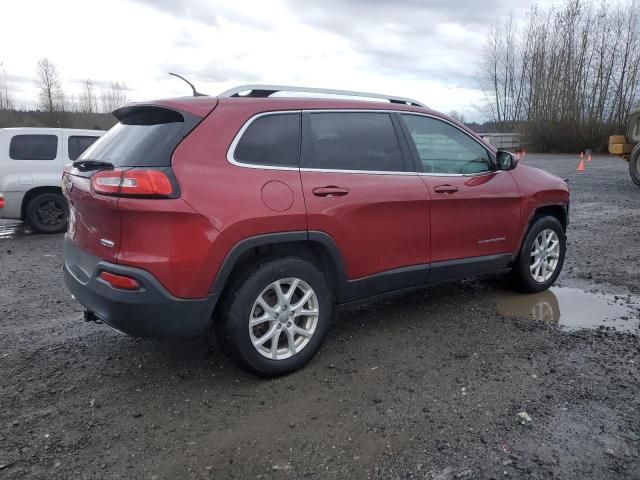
(566, 77)
(54, 100)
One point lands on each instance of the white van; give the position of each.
(31, 165)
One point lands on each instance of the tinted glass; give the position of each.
(271, 140)
(443, 148)
(144, 137)
(354, 141)
(77, 145)
(33, 147)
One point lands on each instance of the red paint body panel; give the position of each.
(384, 222)
(230, 196)
(538, 189)
(92, 218)
(381, 224)
(172, 241)
(481, 218)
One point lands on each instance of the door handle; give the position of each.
(445, 189)
(330, 191)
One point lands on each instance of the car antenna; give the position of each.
(195, 92)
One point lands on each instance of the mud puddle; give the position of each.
(572, 309)
(14, 229)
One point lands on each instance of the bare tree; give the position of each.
(114, 96)
(569, 75)
(51, 96)
(5, 99)
(457, 115)
(88, 99)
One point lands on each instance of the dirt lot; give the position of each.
(428, 385)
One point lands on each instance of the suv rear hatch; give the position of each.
(132, 160)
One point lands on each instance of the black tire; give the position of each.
(634, 165)
(232, 325)
(48, 213)
(521, 272)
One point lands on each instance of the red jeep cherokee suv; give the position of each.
(255, 215)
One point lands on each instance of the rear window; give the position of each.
(271, 140)
(33, 147)
(144, 137)
(78, 144)
(353, 141)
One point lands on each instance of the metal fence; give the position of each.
(504, 141)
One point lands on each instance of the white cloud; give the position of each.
(218, 44)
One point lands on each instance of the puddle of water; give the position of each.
(13, 229)
(573, 309)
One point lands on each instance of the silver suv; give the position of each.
(31, 165)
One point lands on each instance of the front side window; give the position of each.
(78, 144)
(353, 141)
(443, 148)
(272, 140)
(33, 147)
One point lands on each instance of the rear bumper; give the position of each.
(149, 312)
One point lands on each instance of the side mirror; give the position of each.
(506, 160)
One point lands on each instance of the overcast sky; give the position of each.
(427, 50)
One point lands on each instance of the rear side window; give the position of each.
(353, 141)
(443, 148)
(144, 137)
(271, 140)
(33, 147)
(78, 144)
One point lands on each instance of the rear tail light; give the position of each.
(1, 201)
(153, 183)
(120, 281)
(107, 183)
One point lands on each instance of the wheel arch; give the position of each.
(559, 211)
(316, 247)
(34, 192)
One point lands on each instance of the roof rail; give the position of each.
(264, 91)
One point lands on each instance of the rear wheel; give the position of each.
(634, 166)
(541, 257)
(47, 213)
(276, 317)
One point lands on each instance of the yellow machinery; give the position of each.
(628, 146)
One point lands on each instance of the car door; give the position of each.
(360, 190)
(475, 209)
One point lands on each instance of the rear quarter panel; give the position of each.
(229, 196)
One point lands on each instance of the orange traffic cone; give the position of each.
(589, 158)
(580, 166)
(518, 155)
(581, 155)
(524, 153)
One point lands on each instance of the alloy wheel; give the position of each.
(283, 318)
(545, 253)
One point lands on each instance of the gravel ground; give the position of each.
(428, 385)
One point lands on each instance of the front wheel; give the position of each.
(276, 316)
(541, 257)
(634, 166)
